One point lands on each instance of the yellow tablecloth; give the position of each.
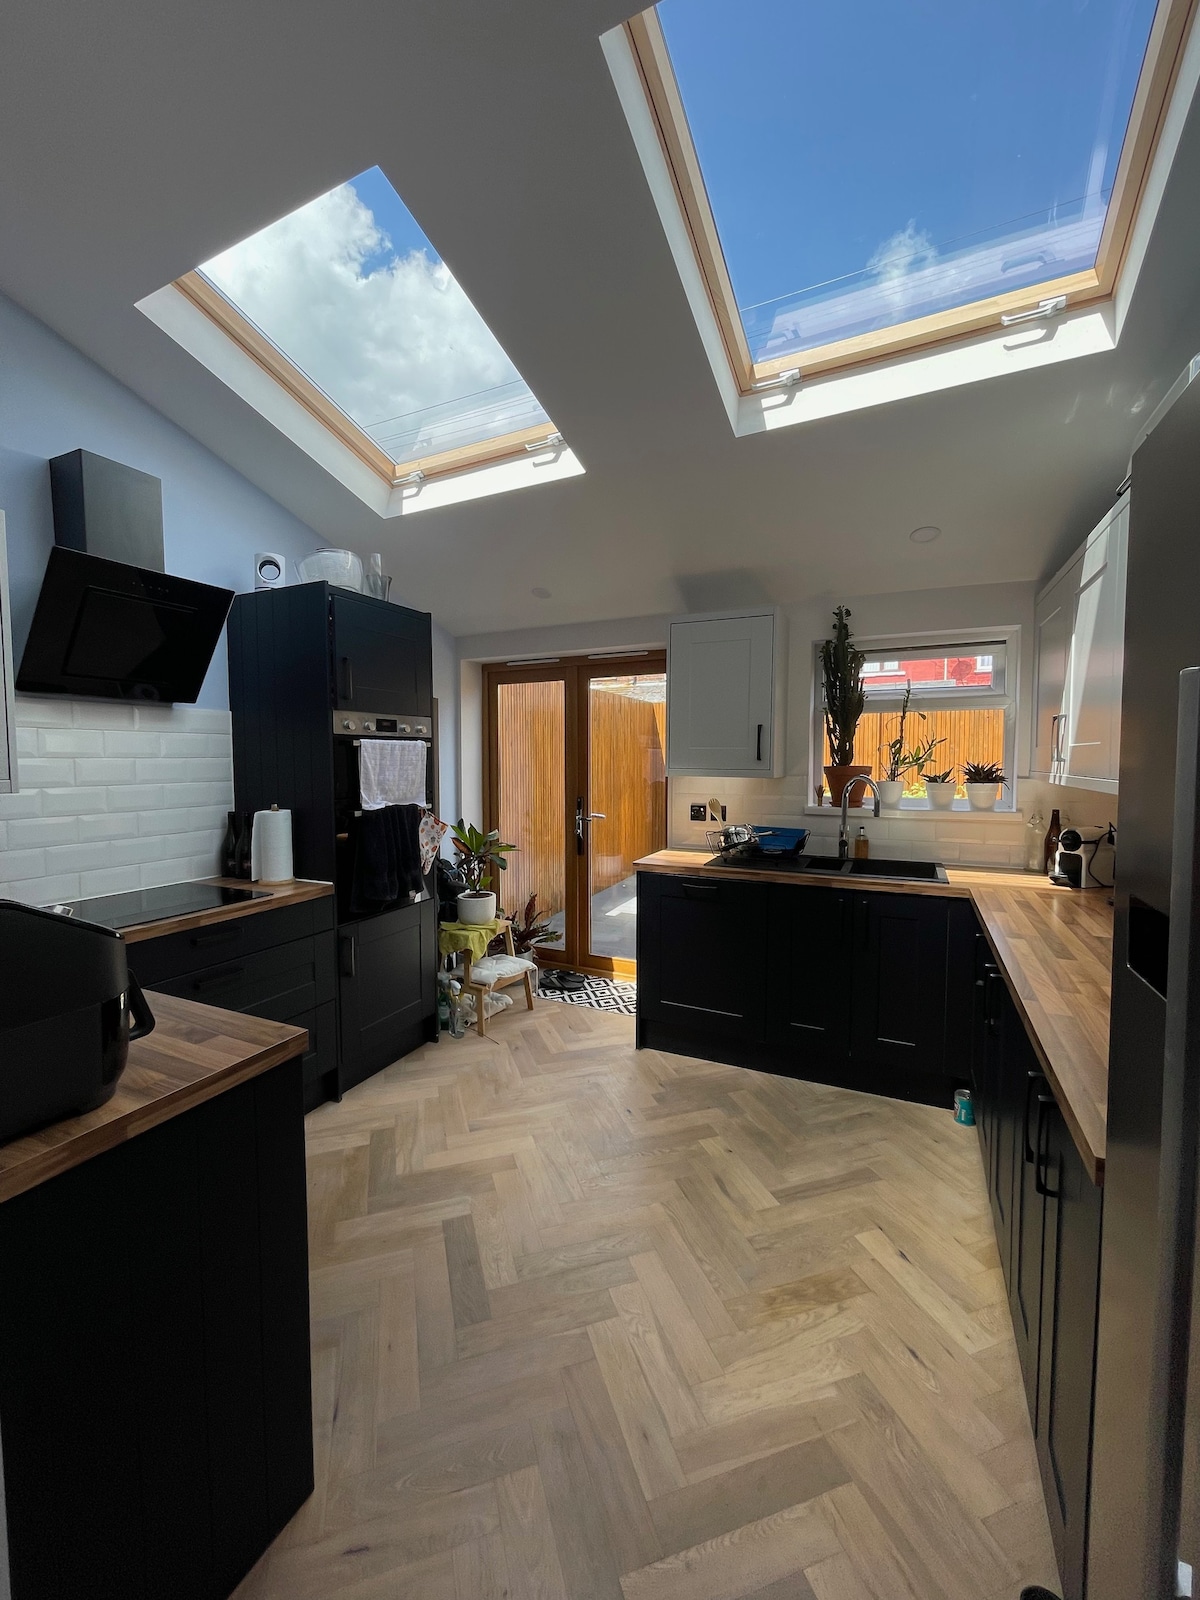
(472, 936)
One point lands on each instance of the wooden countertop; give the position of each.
(275, 895)
(1054, 947)
(194, 1053)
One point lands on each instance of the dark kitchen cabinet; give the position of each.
(1066, 1375)
(155, 1394)
(1047, 1216)
(701, 954)
(808, 936)
(899, 947)
(382, 656)
(387, 968)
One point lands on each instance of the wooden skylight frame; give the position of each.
(1164, 51)
(196, 288)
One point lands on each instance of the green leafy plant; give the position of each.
(842, 690)
(529, 930)
(984, 772)
(899, 760)
(919, 757)
(939, 777)
(478, 853)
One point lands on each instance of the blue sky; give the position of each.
(824, 129)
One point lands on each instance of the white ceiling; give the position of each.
(141, 138)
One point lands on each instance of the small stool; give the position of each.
(482, 976)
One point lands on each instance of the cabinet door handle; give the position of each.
(230, 934)
(758, 744)
(348, 676)
(348, 959)
(210, 979)
(699, 891)
(1041, 1159)
(1030, 1079)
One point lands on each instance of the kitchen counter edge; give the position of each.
(274, 896)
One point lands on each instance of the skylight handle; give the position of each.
(552, 441)
(782, 380)
(1042, 312)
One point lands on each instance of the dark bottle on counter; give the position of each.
(1051, 846)
(229, 848)
(243, 845)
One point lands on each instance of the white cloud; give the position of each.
(385, 336)
(904, 252)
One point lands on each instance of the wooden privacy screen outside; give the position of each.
(628, 782)
(628, 779)
(969, 735)
(531, 724)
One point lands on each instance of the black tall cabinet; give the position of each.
(311, 667)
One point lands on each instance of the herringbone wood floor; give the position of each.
(609, 1325)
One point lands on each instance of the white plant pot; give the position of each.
(940, 795)
(474, 908)
(983, 796)
(891, 792)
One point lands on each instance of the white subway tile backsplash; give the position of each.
(113, 797)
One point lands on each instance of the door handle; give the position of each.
(348, 676)
(347, 953)
(758, 744)
(1030, 1079)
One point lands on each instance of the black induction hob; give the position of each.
(156, 905)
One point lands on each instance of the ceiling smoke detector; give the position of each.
(540, 594)
(925, 535)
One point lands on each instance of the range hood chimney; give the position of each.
(103, 508)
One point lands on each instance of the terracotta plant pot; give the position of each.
(477, 906)
(940, 795)
(982, 796)
(839, 780)
(891, 792)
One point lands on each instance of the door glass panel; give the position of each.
(531, 773)
(628, 784)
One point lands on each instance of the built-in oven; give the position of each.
(349, 730)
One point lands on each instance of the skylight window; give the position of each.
(349, 305)
(877, 177)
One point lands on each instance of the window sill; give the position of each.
(960, 811)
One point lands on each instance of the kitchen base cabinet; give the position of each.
(155, 1397)
(1047, 1215)
(811, 982)
(388, 967)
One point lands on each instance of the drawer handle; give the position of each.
(229, 934)
(700, 891)
(211, 979)
(1042, 1158)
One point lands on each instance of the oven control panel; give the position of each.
(381, 725)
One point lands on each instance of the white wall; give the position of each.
(445, 692)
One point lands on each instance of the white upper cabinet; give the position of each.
(725, 695)
(1080, 661)
(8, 731)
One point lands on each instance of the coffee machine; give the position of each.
(1086, 858)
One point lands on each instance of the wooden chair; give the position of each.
(480, 990)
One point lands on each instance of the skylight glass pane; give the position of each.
(873, 163)
(350, 290)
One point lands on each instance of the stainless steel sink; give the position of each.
(919, 871)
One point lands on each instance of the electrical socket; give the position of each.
(698, 813)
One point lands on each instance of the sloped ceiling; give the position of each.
(140, 139)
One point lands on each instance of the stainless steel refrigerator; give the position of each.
(1142, 1520)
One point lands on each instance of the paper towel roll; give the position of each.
(271, 846)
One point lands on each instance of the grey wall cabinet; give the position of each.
(1080, 632)
(725, 692)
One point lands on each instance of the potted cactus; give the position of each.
(843, 701)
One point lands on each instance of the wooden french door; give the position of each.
(575, 754)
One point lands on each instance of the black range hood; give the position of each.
(105, 627)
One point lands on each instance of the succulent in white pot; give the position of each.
(478, 852)
(940, 789)
(983, 781)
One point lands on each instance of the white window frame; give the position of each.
(968, 641)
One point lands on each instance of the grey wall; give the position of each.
(53, 399)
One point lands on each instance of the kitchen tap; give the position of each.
(844, 830)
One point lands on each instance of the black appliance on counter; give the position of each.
(68, 1008)
(1145, 1505)
(313, 670)
(109, 620)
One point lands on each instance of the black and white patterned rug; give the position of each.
(602, 994)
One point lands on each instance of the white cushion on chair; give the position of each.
(494, 969)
